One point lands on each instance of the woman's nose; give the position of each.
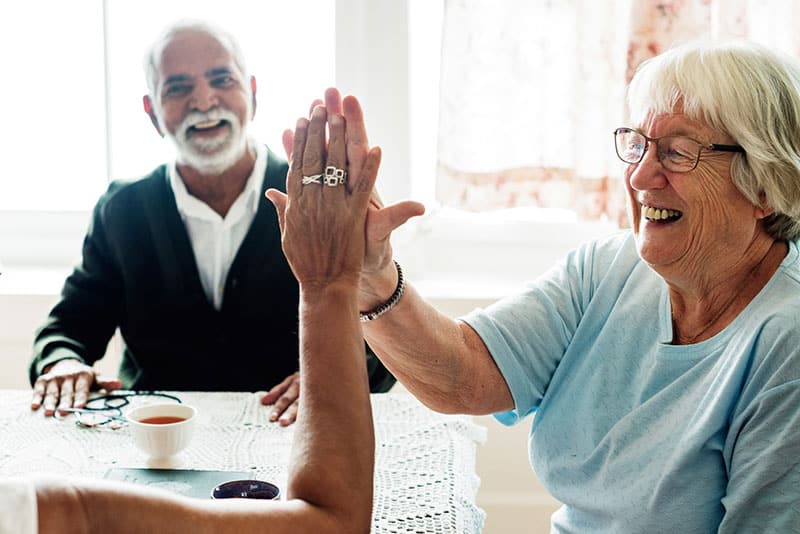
(648, 173)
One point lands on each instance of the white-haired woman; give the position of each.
(663, 363)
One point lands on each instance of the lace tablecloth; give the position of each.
(425, 477)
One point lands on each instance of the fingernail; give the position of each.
(273, 417)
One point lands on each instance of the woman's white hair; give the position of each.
(227, 40)
(748, 92)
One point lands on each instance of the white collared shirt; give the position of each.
(216, 240)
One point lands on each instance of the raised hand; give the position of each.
(377, 270)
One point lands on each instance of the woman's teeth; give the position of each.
(656, 214)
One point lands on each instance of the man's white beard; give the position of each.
(210, 156)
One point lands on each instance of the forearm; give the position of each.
(441, 361)
(85, 506)
(333, 453)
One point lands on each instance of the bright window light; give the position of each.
(73, 115)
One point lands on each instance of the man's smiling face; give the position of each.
(203, 104)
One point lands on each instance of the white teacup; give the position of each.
(162, 430)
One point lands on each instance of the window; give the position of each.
(73, 112)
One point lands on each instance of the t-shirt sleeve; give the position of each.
(18, 513)
(528, 333)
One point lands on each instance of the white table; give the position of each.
(425, 477)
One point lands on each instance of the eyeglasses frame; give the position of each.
(709, 147)
(111, 407)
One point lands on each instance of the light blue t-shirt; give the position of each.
(635, 435)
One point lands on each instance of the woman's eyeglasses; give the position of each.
(675, 152)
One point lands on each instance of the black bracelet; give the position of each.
(389, 304)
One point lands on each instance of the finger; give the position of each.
(333, 100)
(336, 147)
(314, 153)
(357, 143)
(314, 104)
(50, 397)
(38, 393)
(286, 400)
(108, 383)
(293, 184)
(278, 200)
(383, 222)
(288, 140)
(67, 392)
(279, 389)
(364, 183)
(375, 200)
(290, 415)
(82, 386)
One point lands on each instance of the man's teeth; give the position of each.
(656, 214)
(205, 125)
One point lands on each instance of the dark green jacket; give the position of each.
(138, 274)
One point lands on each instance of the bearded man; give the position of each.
(186, 261)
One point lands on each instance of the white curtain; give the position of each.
(532, 89)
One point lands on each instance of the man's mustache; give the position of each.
(193, 119)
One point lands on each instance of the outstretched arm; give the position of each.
(441, 361)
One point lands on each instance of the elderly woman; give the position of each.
(662, 363)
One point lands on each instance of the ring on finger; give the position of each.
(313, 179)
(334, 176)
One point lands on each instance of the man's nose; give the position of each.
(204, 97)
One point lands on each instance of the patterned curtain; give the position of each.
(532, 89)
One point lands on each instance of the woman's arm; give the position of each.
(441, 361)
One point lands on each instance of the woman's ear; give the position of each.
(763, 210)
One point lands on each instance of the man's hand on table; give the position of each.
(66, 384)
(284, 397)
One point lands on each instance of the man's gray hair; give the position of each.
(226, 39)
(748, 92)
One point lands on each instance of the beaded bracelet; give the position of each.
(389, 304)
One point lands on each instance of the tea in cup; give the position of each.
(162, 430)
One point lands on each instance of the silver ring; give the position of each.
(334, 176)
(313, 179)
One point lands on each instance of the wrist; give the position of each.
(311, 294)
(391, 302)
(376, 287)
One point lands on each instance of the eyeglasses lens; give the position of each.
(630, 145)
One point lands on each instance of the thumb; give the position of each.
(278, 200)
(381, 223)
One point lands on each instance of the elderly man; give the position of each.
(187, 261)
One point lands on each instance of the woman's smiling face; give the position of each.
(688, 221)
